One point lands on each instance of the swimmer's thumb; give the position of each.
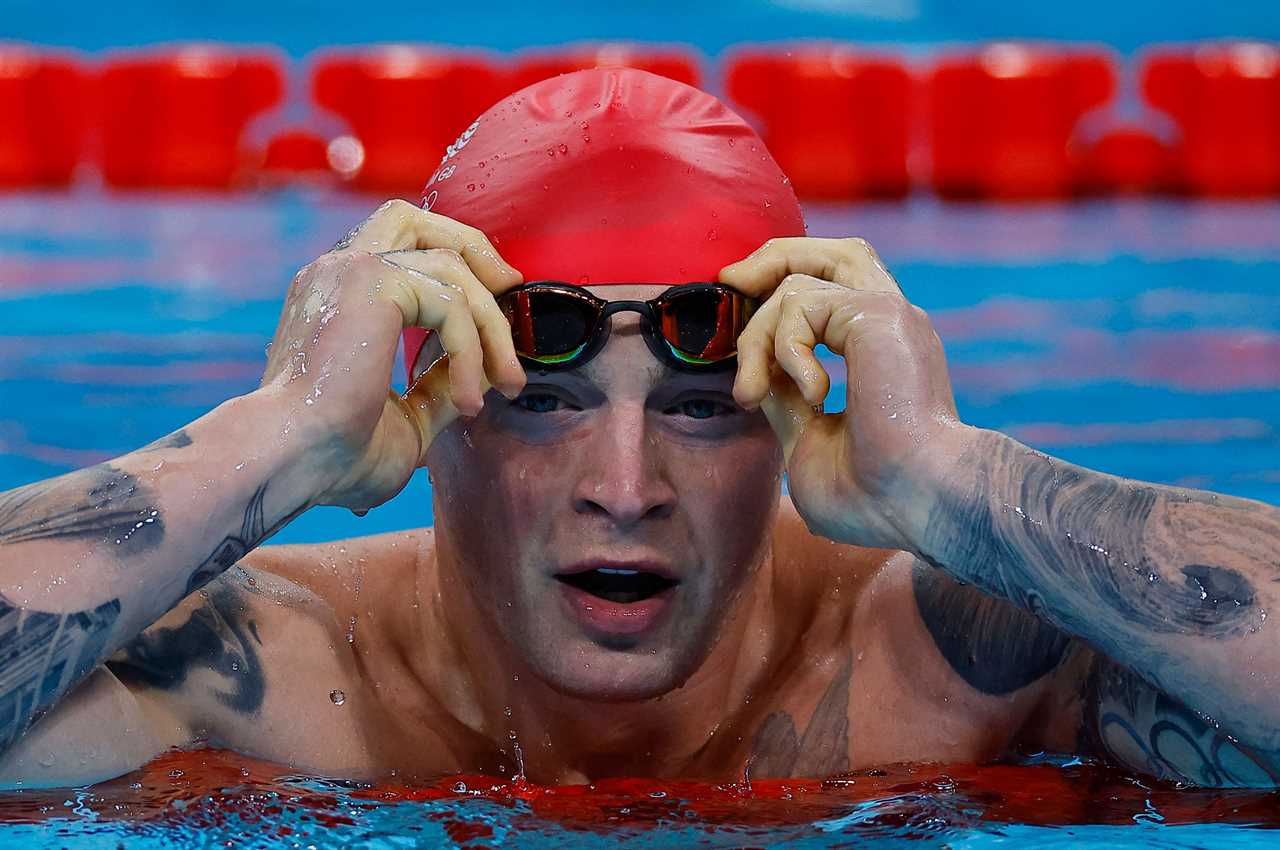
(787, 411)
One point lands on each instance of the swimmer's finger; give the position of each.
(801, 325)
(755, 353)
(756, 343)
(399, 226)
(787, 410)
(499, 352)
(429, 303)
(851, 262)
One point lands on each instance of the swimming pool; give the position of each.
(1141, 338)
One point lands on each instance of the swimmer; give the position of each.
(614, 584)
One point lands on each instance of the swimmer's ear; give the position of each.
(786, 409)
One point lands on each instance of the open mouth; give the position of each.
(620, 586)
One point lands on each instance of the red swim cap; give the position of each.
(613, 176)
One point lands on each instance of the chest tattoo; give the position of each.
(820, 750)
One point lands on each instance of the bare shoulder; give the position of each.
(993, 675)
(339, 571)
(265, 639)
(815, 566)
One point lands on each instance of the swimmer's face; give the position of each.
(621, 466)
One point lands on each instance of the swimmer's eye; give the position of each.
(700, 408)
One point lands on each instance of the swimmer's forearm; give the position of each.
(90, 559)
(1175, 584)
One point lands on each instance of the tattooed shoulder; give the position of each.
(994, 646)
(216, 633)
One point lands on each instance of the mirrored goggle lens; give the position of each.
(702, 326)
(548, 326)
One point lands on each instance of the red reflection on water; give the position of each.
(252, 791)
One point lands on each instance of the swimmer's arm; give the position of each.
(90, 559)
(1171, 586)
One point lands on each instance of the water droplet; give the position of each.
(712, 235)
(563, 148)
(459, 787)
(337, 697)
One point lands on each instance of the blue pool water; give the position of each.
(1138, 337)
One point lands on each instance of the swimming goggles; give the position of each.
(692, 327)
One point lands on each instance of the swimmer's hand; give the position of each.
(863, 476)
(339, 336)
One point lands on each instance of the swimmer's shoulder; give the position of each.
(805, 559)
(340, 568)
(272, 637)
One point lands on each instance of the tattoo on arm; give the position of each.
(822, 750)
(179, 439)
(218, 636)
(42, 656)
(98, 503)
(995, 647)
(1138, 726)
(253, 530)
(1101, 544)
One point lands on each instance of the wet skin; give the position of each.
(455, 649)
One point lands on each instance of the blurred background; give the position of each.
(1085, 197)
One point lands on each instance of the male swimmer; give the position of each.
(618, 274)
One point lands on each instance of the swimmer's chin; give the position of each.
(613, 695)
(622, 679)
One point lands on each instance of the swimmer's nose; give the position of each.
(623, 476)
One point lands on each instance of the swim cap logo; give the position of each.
(444, 172)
